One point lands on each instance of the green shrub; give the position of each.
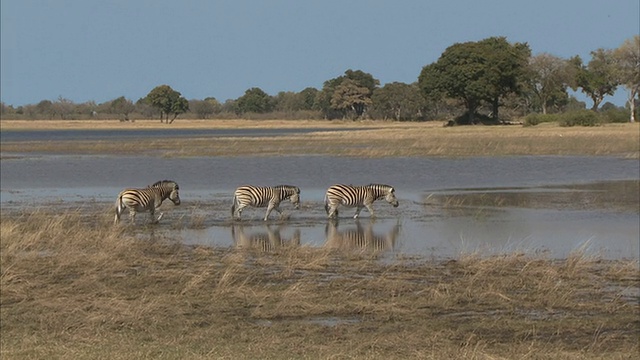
(616, 115)
(535, 119)
(579, 118)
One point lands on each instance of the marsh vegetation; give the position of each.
(74, 285)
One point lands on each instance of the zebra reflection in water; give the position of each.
(360, 238)
(264, 241)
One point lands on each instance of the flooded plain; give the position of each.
(551, 205)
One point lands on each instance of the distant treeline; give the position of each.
(488, 81)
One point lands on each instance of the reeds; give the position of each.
(73, 285)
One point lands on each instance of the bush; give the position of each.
(536, 119)
(615, 115)
(579, 118)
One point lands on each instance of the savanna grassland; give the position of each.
(369, 139)
(73, 285)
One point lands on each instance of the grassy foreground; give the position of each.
(369, 139)
(74, 286)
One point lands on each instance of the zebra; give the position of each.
(358, 197)
(147, 199)
(269, 197)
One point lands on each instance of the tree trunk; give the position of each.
(495, 104)
(596, 102)
(632, 105)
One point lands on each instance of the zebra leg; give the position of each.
(152, 215)
(332, 211)
(358, 209)
(277, 208)
(132, 216)
(370, 208)
(269, 208)
(238, 212)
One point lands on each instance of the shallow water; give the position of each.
(544, 204)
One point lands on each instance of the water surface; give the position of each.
(543, 204)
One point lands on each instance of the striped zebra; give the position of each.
(147, 199)
(358, 197)
(269, 197)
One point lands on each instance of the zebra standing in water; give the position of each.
(269, 197)
(147, 199)
(358, 197)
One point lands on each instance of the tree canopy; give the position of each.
(597, 78)
(168, 101)
(474, 72)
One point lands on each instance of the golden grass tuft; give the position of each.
(75, 285)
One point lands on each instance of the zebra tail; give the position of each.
(233, 207)
(326, 204)
(119, 209)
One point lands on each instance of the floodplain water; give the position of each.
(551, 205)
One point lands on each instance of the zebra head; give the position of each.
(295, 197)
(390, 197)
(169, 189)
(291, 192)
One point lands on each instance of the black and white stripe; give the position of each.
(358, 197)
(269, 197)
(147, 199)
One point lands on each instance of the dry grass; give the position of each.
(75, 286)
(373, 139)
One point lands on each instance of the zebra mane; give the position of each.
(382, 186)
(164, 182)
(297, 189)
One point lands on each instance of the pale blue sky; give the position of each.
(99, 50)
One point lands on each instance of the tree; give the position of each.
(627, 59)
(349, 97)
(122, 106)
(254, 100)
(549, 79)
(598, 78)
(168, 101)
(307, 98)
(361, 86)
(63, 107)
(474, 72)
(205, 108)
(45, 107)
(398, 101)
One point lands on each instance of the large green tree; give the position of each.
(627, 58)
(476, 72)
(598, 78)
(168, 101)
(254, 100)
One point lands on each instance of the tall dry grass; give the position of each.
(75, 286)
